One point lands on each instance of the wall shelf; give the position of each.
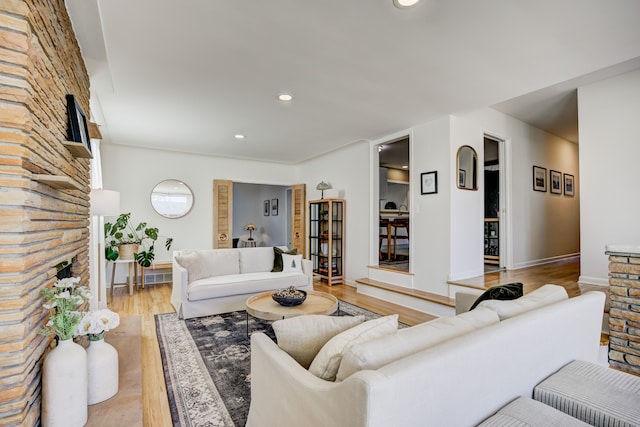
(57, 181)
(78, 149)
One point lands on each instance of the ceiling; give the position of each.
(188, 75)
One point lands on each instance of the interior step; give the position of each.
(427, 302)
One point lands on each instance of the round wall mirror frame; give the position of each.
(467, 168)
(172, 198)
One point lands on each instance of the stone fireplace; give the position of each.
(624, 315)
(44, 188)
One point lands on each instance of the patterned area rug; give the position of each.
(207, 363)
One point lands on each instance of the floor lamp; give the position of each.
(103, 203)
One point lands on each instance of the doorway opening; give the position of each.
(492, 205)
(394, 204)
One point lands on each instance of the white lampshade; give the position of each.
(105, 202)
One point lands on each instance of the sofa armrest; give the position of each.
(281, 390)
(179, 287)
(307, 268)
(464, 301)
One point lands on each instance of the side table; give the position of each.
(133, 274)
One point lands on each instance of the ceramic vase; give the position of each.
(102, 365)
(64, 386)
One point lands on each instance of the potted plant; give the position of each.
(122, 232)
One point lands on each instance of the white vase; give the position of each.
(102, 364)
(64, 386)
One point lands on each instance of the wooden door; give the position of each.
(298, 218)
(222, 214)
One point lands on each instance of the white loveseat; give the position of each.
(212, 281)
(460, 381)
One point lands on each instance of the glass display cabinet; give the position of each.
(326, 239)
(492, 241)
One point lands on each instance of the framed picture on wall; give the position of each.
(274, 207)
(462, 178)
(555, 178)
(429, 182)
(266, 209)
(78, 129)
(569, 188)
(540, 179)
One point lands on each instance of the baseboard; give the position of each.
(543, 261)
(598, 281)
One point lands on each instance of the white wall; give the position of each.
(347, 170)
(431, 219)
(609, 125)
(135, 171)
(544, 226)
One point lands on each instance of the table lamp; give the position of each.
(251, 228)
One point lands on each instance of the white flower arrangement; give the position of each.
(63, 301)
(95, 323)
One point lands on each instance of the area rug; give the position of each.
(206, 364)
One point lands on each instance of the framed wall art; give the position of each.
(266, 210)
(274, 207)
(429, 182)
(78, 129)
(555, 180)
(569, 187)
(539, 179)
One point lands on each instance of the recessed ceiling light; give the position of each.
(404, 4)
(405, 167)
(285, 97)
(238, 136)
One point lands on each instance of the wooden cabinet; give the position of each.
(326, 239)
(492, 241)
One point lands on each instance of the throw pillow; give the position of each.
(545, 295)
(382, 351)
(291, 263)
(277, 257)
(326, 363)
(503, 292)
(195, 265)
(303, 336)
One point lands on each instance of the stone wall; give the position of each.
(40, 226)
(624, 315)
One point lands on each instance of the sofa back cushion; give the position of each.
(302, 337)
(222, 262)
(376, 353)
(195, 264)
(545, 295)
(256, 260)
(326, 363)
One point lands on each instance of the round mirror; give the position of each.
(172, 198)
(467, 165)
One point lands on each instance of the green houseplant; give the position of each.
(122, 232)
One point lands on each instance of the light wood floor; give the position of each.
(155, 300)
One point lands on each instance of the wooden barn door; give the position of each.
(222, 214)
(298, 218)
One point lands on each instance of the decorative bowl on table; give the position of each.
(289, 297)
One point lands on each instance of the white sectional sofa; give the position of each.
(212, 281)
(457, 381)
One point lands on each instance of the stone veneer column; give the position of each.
(624, 315)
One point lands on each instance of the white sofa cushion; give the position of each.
(291, 263)
(222, 262)
(545, 295)
(243, 284)
(376, 353)
(326, 363)
(195, 264)
(303, 336)
(254, 260)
